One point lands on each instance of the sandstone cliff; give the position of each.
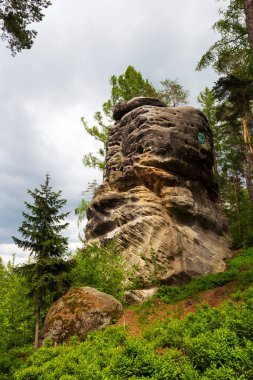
(159, 197)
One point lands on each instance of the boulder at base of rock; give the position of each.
(79, 311)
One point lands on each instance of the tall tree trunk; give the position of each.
(248, 9)
(248, 137)
(247, 164)
(238, 211)
(37, 328)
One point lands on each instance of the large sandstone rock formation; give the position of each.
(159, 197)
(79, 311)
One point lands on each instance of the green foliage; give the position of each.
(101, 267)
(207, 101)
(127, 86)
(16, 318)
(42, 225)
(100, 133)
(171, 294)
(16, 311)
(108, 355)
(82, 208)
(232, 155)
(239, 269)
(123, 88)
(214, 343)
(47, 275)
(173, 93)
(237, 91)
(15, 17)
(231, 53)
(229, 111)
(217, 341)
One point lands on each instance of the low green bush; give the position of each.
(101, 267)
(171, 294)
(214, 343)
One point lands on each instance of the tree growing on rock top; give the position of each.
(47, 274)
(173, 93)
(123, 88)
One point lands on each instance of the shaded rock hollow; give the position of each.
(159, 197)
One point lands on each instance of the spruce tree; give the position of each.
(41, 231)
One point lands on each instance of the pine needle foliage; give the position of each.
(41, 231)
(15, 19)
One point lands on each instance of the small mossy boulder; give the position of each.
(80, 310)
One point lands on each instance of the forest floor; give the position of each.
(138, 318)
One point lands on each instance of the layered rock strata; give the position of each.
(159, 197)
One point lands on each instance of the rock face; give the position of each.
(79, 311)
(159, 197)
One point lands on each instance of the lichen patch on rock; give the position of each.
(80, 310)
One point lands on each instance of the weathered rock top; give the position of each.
(160, 197)
(123, 108)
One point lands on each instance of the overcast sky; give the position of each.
(45, 91)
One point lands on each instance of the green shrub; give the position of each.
(101, 267)
(214, 343)
(171, 294)
(239, 269)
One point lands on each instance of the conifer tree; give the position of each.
(41, 231)
(173, 93)
(15, 19)
(123, 88)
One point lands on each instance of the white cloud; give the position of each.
(8, 251)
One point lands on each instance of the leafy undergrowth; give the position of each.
(140, 317)
(212, 343)
(239, 269)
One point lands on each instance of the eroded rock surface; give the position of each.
(79, 311)
(159, 197)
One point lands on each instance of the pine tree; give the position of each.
(15, 19)
(41, 231)
(123, 88)
(173, 93)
